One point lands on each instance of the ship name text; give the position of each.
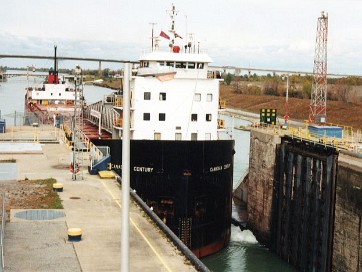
(220, 167)
(143, 169)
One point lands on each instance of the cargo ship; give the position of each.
(52, 101)
(180, 166)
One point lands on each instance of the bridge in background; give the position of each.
(237, 70)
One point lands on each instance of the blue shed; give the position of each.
(2, 125)
(328, 131)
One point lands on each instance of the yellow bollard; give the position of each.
(74, 234)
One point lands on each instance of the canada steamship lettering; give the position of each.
(142, 169)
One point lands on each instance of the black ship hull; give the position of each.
(187, 183)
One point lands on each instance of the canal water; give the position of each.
(243, 253)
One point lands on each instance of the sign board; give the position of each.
(95, 113)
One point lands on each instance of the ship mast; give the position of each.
(172, 14)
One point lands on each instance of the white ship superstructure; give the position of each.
(184, 108)
(172, 96)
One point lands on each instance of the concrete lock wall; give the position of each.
(260, 183)
(346, 230)
(347, 243)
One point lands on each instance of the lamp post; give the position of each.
(286, 116)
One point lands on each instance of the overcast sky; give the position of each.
(245, 33)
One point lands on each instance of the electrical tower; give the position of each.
(318, 105)
(77, 126)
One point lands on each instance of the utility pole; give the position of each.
(318, 104)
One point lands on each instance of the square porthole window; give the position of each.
(197, 97)
(162, 96)
(146, 116)
(208, 117)
(193, 117)
(209, 97)
(147, 95)
(162, 116)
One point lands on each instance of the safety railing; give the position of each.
(220, 124)
(350, 141)
(2, 232)
(222, 104)
(29, 134)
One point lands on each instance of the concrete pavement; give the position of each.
(94, 205)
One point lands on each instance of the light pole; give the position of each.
(125, 170)
(286, 116)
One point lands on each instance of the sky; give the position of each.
(244, 33)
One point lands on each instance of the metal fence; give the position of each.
(3, 218)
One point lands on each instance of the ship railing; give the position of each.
(97, 153)
(41, 115)
(147, 51)
(65, 135)
(117, 120)
(2, 232)
(84, 139)
(118, 101)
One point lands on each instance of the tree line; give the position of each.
(342, 89)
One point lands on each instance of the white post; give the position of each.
(125, 170)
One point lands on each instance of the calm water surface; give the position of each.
(244, 253)
(12, 95)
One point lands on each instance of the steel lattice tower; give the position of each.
(318, 105)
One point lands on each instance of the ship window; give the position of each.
(209, 97)
(162, 116)
(161, 63)
(208, 117)
(157, 136)
(193, 136)
(170, 63)
(178, 128)
(191, 65)
(194, 117)
(60, 94)
(162, 96)
(178, 136)
(147, 95)
(180, 64)
(200, 66)
(51, 94)
(197, 97)
(208, 136)
(146, 64)
(146, 116)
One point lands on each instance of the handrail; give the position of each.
(350, 141)
(2, 233)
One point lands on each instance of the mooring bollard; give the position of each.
(57, 187)
(74, 234)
